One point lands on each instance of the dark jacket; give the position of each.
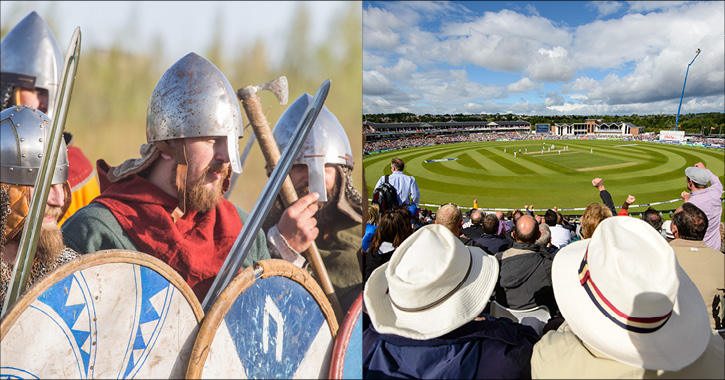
(372, 260)
(488, 349)
(493, 244)
(525, 278)
(473, 232)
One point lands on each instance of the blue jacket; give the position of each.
(488, 349)
(368, 237)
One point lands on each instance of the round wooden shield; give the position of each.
(108, 314)
(347, 354)
(273, 321)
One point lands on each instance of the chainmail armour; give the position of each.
(37, 272)
(4, 212)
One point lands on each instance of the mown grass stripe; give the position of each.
(484, 172)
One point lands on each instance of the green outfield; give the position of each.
(489, 172)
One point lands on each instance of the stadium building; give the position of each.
(393, 131)
(595, 127)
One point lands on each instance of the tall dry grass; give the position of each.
(107, 115)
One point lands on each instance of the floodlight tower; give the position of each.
(677, 120)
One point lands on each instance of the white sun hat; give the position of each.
(667, 228)
(624, 294)
(432, 285)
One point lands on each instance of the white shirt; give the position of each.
(560, 236)
(405, 186)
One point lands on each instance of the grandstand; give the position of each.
(391, 131)
(596, 127)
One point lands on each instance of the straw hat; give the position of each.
(432, 285)
(624, 294)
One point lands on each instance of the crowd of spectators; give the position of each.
(622, 296)
(387, 145)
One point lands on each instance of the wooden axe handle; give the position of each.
(253, 108)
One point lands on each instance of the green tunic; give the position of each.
(339, 253)
(94, 228)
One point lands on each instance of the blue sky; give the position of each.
(543, 57)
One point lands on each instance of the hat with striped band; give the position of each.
(624, 294)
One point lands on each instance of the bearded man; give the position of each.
(168, 203)
(21, 151)
(324, 166)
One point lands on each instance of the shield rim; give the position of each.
(337, 364)
(109, 256)
(215, 317)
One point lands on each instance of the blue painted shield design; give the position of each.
(109, 314)
(270, 322)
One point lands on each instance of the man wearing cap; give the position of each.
(706, 199)
(424, 306)
(631, 311)
(21, 150)
(31, 63)
(324, 165)
(168, 203)
(525, 279)
(704, 265)
(405, 185)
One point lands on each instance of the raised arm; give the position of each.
(604, 194)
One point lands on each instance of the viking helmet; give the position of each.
(23, 134)
(194, 99)
(30, 57)
(327, 142)
(23, 131)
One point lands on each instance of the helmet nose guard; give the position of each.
(327, 142)
(194, 99)
(29, 49)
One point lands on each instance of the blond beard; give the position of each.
(50, 243)
(200, 198)
(50, 239)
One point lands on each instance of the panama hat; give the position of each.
(624, 294)
(432, 285)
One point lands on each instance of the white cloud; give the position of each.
(605, 8)
(624, 64)
(531, 9)
(646, 6)
(379, 28)
(401, 71)
(375, 83)
(551, 65)
(371, 60)
(523, 85)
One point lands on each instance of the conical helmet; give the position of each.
(29, 50)
(194, 99)
(327, 142)
(23, 134)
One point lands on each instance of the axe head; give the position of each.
(278, 87)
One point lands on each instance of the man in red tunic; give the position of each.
(168, 203)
